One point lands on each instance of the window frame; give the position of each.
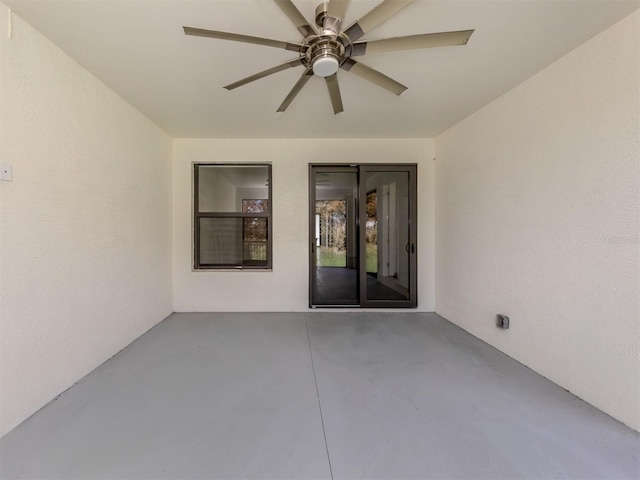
(197, 215)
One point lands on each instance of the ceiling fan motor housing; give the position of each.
(325, 56)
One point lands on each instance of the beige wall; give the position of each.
(286, 288)
(85, 238)
(537, 201)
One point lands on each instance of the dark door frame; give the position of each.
(361, 169)
(411, 246)
(328, 168)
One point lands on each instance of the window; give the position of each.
(232, 216)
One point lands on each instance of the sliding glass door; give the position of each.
(363, 236)
(388, 243)
(334, 237)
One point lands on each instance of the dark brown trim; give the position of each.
(196, 223)
(197, 215)
(361, 169)
(313, 169)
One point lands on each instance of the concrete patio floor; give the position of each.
(316, 395)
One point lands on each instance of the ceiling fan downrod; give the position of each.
(325, 52)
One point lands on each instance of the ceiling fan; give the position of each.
(329, 47)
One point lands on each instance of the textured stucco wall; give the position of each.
(286, 288)
(537, 217)
(85, 232)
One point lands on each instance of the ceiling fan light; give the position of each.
(325, 66)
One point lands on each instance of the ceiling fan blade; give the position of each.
(373, 76)
(295, 90)
(375, 17)
(425, 40)
(236, 37)
(291, 11)
(334, 93)
(264, 73)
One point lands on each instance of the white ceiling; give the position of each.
(139, 49)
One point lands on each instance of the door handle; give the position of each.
(413, 248)
(406, 248)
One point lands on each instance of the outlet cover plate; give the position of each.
(502, 321)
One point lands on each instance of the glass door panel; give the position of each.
(333, 233)
(388, 245)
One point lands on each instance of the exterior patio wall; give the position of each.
(537, 218)
(86, 231)
(286, 287)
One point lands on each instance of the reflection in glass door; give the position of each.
(388, 244)
(362, 235)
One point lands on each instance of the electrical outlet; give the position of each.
(5, 172)
(502, 321)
